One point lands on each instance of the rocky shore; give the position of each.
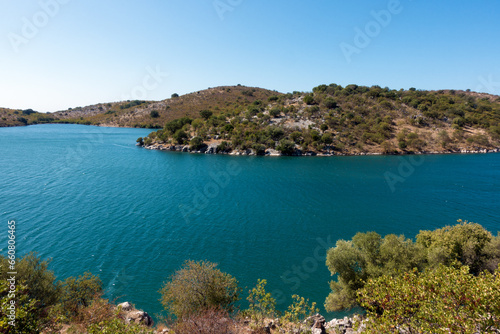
(212, 149)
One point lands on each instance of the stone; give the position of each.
(211, 149)
(126, 306)
(139, 317)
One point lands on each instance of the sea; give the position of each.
(91, 200)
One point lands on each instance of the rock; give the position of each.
(272, 153)
(139, 317)
(317, 323)
(185, 148)
(126, 306)
(211, 149)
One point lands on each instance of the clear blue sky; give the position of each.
(82, 52)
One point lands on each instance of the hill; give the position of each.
(329, 120)
(341, 120)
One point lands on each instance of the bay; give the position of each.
(91, 200)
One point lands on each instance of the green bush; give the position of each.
(78, 293)
(286, 147)
(196, 143)
(199, 286)
(368, 256)
(309, 99)
(443, 300)
(262, 304)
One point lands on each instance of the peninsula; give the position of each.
(329, 120)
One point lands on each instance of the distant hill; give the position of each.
(330, 119)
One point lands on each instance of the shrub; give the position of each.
(444, 300)
(275, 112)
(40, 281)
(78, 293)
(262, 304)
(180, 136)
(154, 114)
(196, 143)
(309, 99)
(206, 114)
(286, 147)
(330, 103)
(174, 95)
(199, 286)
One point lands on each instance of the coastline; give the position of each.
(212, 149)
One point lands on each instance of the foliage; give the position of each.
(196, 143)
(297, 312)
(78, 293)
(368, 256)
(29, 318)
(199, 286)
(154, 114)
(286, 147)
(443, 300)
(262, 304)
(465, 242)
(117, 326)
(40, 281)
(206, 114)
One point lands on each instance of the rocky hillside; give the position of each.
(340, 120)
(329, 120)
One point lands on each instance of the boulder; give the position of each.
(139, 317)
(126, 306)
(273, 153)
(317, 323)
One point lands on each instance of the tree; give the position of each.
(196, 143)
(286, 147)
(154, 114)
(78, 293)
(330, 103)
(206, 114)
(180, 136)
(199, 286)
(309, 99)
(465, 242)
(367, 255)
(40, 281)
(174, 95)
(275, 112)
(443, 300)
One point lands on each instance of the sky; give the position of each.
(60, 54)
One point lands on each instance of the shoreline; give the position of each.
(212, 150)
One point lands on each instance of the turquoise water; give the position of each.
(93, 201)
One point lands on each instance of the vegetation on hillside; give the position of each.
(330, 119)
(351, 119)
(446, 281)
